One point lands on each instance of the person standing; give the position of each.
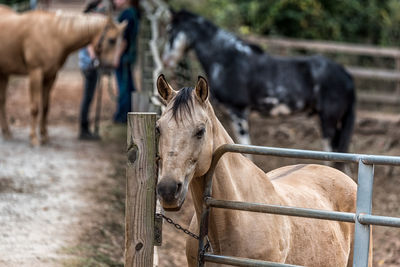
(127, 57)
(88, 66)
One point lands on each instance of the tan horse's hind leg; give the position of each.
(47, 85)
(35, 89)
(3, 118)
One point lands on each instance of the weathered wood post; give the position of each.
(141, 179)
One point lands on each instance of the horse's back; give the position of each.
(24, 36)
(6, 9)
(321, 181)
(324, 188)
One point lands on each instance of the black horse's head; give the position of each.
(183, 31)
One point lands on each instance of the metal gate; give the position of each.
(362, 218)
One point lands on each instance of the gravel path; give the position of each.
(44, 198)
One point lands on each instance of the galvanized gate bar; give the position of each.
(281, 210)
(306, 154)
(362, 218)
(236, 261)
(378, 220)
(364, 205)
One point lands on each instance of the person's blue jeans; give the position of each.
(90, 84)
(125, 87)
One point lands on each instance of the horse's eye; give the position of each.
(112, 41)
(200, 133)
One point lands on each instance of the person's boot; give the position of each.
(85, 134)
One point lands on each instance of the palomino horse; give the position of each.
(244, 78)
(189, 133)
(37, 43)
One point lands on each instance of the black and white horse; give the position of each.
(243, 78)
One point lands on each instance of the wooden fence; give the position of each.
(141, 179)
(285, 45)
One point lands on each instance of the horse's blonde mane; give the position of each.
(67, 21)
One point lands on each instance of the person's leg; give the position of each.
(124, 80)
(130, 89)
(120, 84)
(90, 84)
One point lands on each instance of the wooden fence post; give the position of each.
(141, 175)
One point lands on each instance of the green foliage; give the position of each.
(363, 21)
(391, 24)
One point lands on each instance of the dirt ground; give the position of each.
(48, 194)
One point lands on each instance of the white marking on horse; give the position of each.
(200, 20)
(231, 40)
(280, 109)
(280, 89)
(173, 53)
(270, 100)
(326, 144)
(241, 129)
(215, 71)
(316, 89)
(300, 104)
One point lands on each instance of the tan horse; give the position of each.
(37, 43)
(190, 133)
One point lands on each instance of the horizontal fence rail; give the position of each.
(236, 261)
(324, 46)
(285, 44)
(303, 212)
(303, 154)
(281, 210)
(362, 218)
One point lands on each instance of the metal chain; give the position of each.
(206, 248)
(178, 226)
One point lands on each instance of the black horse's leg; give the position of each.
(329, 128)
(240, 125)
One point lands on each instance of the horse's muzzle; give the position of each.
(169, 192)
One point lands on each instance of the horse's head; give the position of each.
(185, 140)
(108, 42)
(181, 35)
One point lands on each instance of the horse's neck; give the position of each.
(78, 30)
(210, 48)
(235, 178)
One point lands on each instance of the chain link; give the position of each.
(206, 248)
(178, 226)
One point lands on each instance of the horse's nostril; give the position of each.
(169, 190)
(178, 189)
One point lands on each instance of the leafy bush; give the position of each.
(363, 21)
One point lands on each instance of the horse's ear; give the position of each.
(202, 89)
(164, 89)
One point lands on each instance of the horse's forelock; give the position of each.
(182, 102)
